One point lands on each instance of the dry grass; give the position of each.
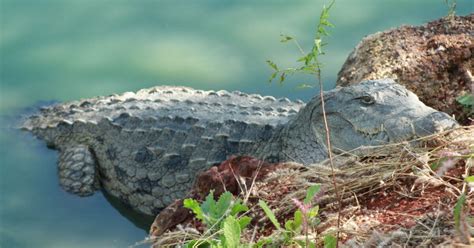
(391, 194)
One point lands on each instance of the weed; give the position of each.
(451, 7)
(223, 220)
(312, 65)
(304, 219)
(467, 102)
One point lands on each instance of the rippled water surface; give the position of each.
(64, 50)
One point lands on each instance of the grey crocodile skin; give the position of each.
(146, 147)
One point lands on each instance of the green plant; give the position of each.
(223, 224)
(310, 61)
(467, 102)
(461, 224)
(448, 160)
(222, 218)
(462, 221)
(304, 219)
(311, 64)
(451, 7)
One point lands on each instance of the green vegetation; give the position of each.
(312, 65)
(225, 221)
(467, 102)
(310, 62)
(451, 7)
(462, 220)
(304, 219)
(283, 209)
(449, 158)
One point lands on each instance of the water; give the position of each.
(63, 50)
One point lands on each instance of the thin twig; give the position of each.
(328, 143)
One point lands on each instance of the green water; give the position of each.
(63, 50)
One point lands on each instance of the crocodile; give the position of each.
(146, 148)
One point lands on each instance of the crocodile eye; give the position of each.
(367, 100)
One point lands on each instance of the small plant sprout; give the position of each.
(304, 220)
(222, 218)
(310, 64)
(467, 102)
(460, 219)
(307, 210)
(451, 7)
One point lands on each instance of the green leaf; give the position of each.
(194, 206)
(289, 225)
(313, 212)
(282, 77)
(322, 31)
(244, 221)
(273, 76)
(311, 192)
(262, 242)
(294, 225)
(330, 241)
(209, 203)
(466, 100)
(469, 179)
(435, 165)
(330, 24)
(231, 231)
(326, 22)
(458, 208)
(222, 205)
(309, 68)
(298, 219)
(238, 207)
(208, 208)
(302, 59)
(285, 38)
(300, 243)
(269, 213)
(213, 211)
(190, 244)
(272, 65)
(310, 57)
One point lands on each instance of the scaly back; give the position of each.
(152, 142)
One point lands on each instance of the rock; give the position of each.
(219, 179)
(435, 61)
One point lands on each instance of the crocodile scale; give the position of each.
(146, 148)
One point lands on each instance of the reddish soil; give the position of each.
(402, 204)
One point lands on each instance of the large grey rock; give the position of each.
(146, 148)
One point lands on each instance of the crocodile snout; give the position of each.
(433, 123)
(407, 127)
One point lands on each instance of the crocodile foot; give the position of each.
(77, 170)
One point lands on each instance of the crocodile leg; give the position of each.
(77, 170)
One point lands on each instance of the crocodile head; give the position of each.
(374, 113)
